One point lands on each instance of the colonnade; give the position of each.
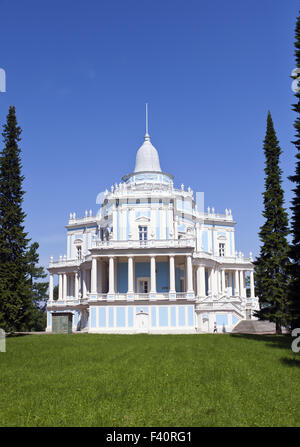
(215, 284)
(130, 259)
(217, 281)
(77, 285)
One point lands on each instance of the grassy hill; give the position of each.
(142, 380)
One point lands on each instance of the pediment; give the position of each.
(78, 241)
(142, 219)
(222, 238)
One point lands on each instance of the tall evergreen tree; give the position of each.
(294, 289)
(271, 267)
(15, 290)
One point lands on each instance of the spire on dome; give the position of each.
(147, 136)
(147, 158)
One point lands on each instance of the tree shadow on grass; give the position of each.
(16, 334)
(273, 341)
(291, 362)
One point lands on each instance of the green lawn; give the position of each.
(142, 380)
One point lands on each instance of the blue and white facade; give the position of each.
(150, 261)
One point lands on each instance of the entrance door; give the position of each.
(62, 323)
(142, 322)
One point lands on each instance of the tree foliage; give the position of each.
(20, 289)
(294, 288)
(271, 267)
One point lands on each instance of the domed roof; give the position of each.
(147, 158)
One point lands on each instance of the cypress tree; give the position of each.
(294, 288)
(271, 267)
(15, 290)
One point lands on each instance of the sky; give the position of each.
(80, 72)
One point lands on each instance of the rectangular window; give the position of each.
(143, 233)
(79, 253)
(221, 249)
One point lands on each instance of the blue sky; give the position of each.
(79, 74)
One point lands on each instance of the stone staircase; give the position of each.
(256, 327)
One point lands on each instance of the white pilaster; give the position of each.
(201, 280)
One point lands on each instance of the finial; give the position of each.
(147, 136)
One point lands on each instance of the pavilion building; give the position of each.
(150, 261)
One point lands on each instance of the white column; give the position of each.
(111, 278)
(115, 230)
(242, 288)
(153, 274)
(176, 228)
(172, 274)
(223, 281)
(64, 286)
(76, 285)
(130, 274)
(116, 275)
(219, 281)
(201, 280)
(50, 287)
(236, 283)
(84, 283)
(60, 286)
(189, 274)
(252, 284)
(209, 281)
(213, 281)
(99, 286)
(94, 276)
(198, 237)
